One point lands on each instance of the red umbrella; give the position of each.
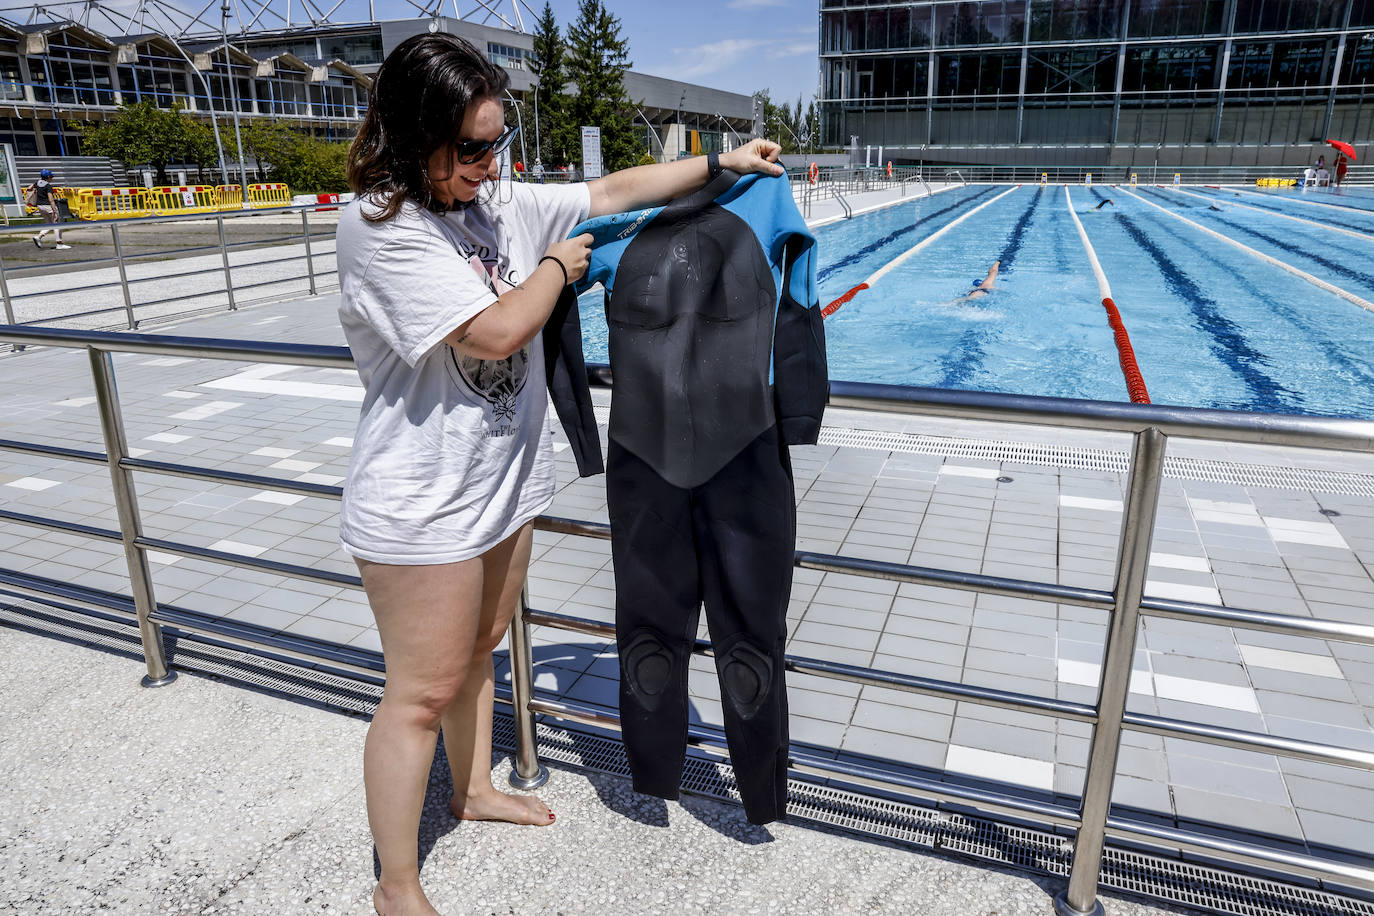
(1343, 147)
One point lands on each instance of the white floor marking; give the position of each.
(169, 438)
(76, 402)
(229, 546)
(1208, 693)
(329, 480)
(165, 361)
(36, 484)
(1301, 531)
(184, 395)
(1285, 660)
(270, 452)
(263, 380)
(1089, 502)
(164, 559)
(204, 411)
(963, 470)
(1023, 771)
(293, 464)
(1200, 593)
(340, 441)
(276, 498)
(1085, 674)
(1180, 561)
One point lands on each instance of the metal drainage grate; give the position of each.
(1313, 480)
(1146, 875)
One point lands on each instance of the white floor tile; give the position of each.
(1089, 502)
(1208, 693)
(1023, 771)
(1284, 660)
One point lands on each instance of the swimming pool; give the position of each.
(1212, 325)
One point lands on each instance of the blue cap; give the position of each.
(46, 173)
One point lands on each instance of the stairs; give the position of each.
(73, 171)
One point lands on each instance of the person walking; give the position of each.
(445, 286)
(42, 196)
(1341, 168)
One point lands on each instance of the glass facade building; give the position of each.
(1177, 82)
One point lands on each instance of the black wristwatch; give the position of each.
(713, 168)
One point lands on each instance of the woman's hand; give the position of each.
(755, 156)
(575, 254)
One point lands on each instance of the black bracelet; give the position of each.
(713, 168)
(549, 257)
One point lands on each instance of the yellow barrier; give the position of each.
(229, 197)
(56, 193)
(111, 203)
(169, 201)
(269, 195)
(1275, 182)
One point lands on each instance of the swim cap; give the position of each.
(46, 173)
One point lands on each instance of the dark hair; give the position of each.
(419, 99)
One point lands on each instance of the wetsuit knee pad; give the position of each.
(648, 667)
(746, 678)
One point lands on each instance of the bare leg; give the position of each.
(428, 618)
(467, 721)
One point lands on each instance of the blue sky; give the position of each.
(736, 45)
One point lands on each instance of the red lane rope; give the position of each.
(834, 307)
(1135, 383)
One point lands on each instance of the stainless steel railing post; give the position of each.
(123, 276)
(5, 294)
(309, 258)
(224, 252)
(529, 773)
(130, 526)
(1132, 562)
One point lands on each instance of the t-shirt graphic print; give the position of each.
(497, 381)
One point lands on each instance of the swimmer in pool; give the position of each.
(1105, 201)
(982, 287)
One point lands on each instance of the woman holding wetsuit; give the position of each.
(445, 287)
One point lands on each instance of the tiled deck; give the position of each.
(915, 492)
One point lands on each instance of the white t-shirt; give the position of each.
(452, 453)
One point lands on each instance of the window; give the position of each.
(511, 58)
(1164, 18)
(1075, 20)
(1159, 68)
(1071, 70)
(1288, 15)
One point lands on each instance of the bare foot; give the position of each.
(402, 901)
(498, 806)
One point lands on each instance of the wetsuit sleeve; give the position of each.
(566, 371)
(800, 374)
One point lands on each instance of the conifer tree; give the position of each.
(597, 58)
(557, 135)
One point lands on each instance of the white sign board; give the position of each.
(591, 153)
(9, 184)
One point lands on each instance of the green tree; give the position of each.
(597, 58)
(265, 141)
(143, 135)
(557, 135)
(312, 166)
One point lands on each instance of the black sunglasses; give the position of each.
(469, 151)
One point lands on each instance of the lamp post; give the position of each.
(649, 129)
(210, 101)
(234, 99)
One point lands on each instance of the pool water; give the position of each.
(1212, 325)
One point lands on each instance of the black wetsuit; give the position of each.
(718, 353)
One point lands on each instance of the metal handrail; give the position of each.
(1150, 426)
(119, 260)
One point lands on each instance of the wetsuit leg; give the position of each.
(657, 605)
(745, 523)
